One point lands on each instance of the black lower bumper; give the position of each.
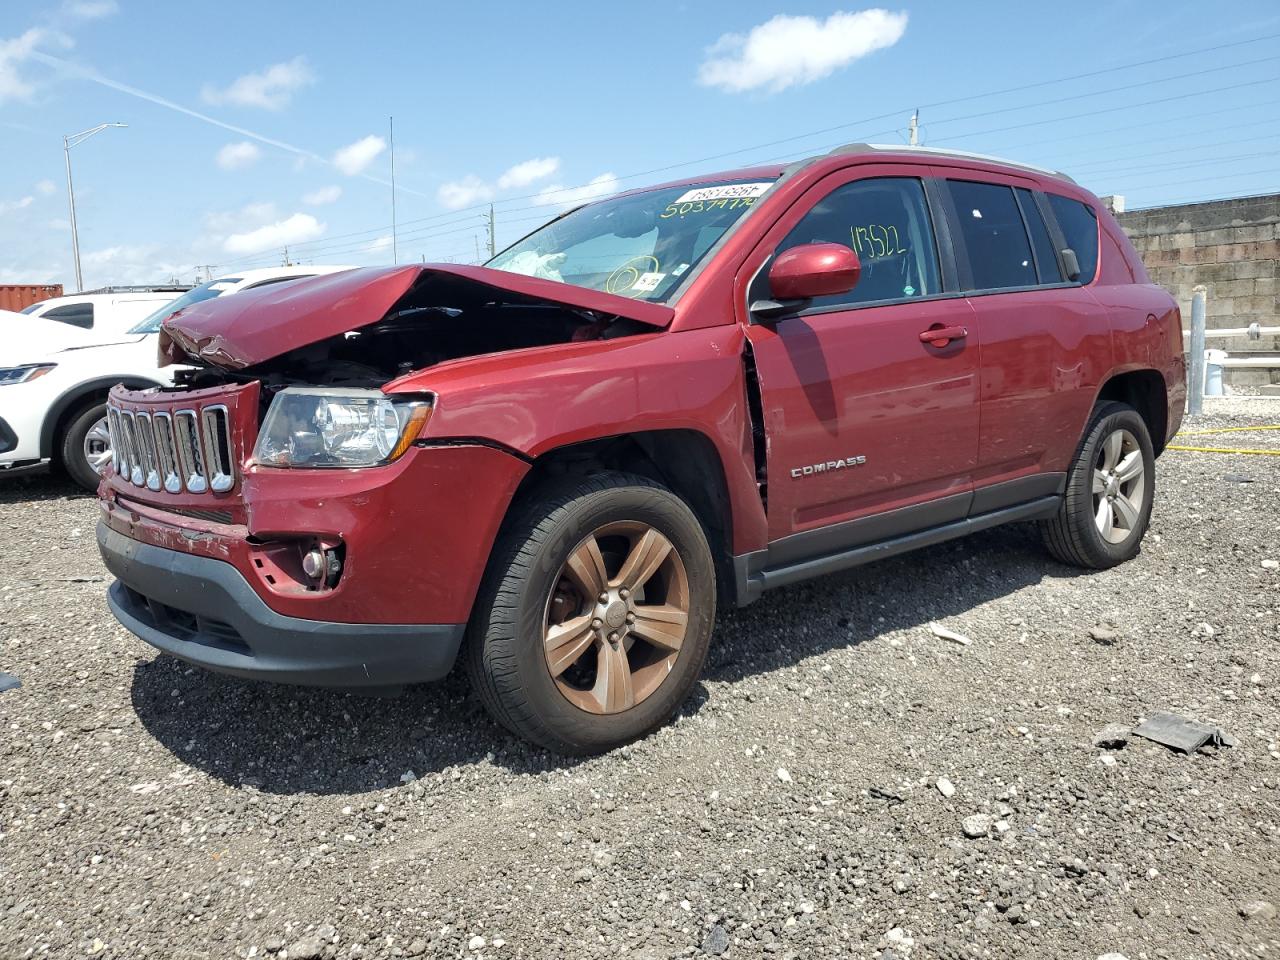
(203, 611)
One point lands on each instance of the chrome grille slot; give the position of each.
(191, 462)
(117, 441)
(216, 424)
(136, 475)
(166, 452)
(147, 442)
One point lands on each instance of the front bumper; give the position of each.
(203, 611)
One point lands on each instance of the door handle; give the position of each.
(941, 336)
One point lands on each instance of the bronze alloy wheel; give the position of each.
(616, 618)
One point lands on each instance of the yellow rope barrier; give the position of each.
(1261, 453)
(1201, 433)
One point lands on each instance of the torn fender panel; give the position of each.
(251, 327)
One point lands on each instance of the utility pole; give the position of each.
(913, 131)
(285, 262)
(395, 256)
(493, 246)
(68, 142)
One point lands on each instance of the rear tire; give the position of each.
(85, 435)
(1110, 489)
(582, 648)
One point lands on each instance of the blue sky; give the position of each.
(532, 105)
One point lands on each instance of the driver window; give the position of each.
(886, 222)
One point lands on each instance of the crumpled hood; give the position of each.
(243, 329)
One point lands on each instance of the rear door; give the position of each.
(1042, 336)
(863, 417)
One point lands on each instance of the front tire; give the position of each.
(1110, 489)
(85, 449)
(595, 616)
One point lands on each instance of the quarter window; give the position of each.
(886, 222)
(995, 238)
(1079, 226)
(75, 314)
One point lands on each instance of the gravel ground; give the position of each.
(843, 782)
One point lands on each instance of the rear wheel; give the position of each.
(595, 616)
(85, 449)
(1110, 489)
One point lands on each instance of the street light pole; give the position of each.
(67, 143)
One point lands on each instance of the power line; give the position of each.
(546, 195)
(315, 247)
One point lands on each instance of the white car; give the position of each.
(54, 376)
(103, 317)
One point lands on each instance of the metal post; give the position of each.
(1196, 371)
(74, 140)
(71, 199)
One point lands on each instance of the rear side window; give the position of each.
(75, 314)
(886, 222)
(994, 236)
(1079, 225)
(1046, 259)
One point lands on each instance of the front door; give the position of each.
(872, 429)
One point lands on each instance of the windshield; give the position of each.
(637, 246)
(33, 308)
(206, 291)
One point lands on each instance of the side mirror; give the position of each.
(807, 271)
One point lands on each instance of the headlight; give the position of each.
(30, 371)
(312, 427)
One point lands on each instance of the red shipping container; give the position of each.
(15, 296)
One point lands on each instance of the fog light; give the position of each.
(313, 564)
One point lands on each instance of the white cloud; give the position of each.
(90, 9)
(46, 188)
(382, 243)
(601, 186)
(531, 171)
(294, 229)
(12, 205)
(463, 193)
(13, 53)
(355, 157)
(133, 263)
(269, 89)
(248, 216)
(788, 51)
(235, 156)
(318, 198)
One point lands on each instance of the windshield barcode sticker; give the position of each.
(728, 191)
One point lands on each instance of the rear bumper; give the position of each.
(203, 611)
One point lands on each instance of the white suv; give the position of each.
(104, 316)
(55, 373)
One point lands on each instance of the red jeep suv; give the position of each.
(557, 464)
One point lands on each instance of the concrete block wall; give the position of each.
(1230, 246)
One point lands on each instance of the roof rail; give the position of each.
(935, 152)
(142, 288)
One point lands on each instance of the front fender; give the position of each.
(537, 400)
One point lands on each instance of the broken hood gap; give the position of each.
(244, 329)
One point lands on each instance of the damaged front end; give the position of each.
(227, 560)
(363, 328)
